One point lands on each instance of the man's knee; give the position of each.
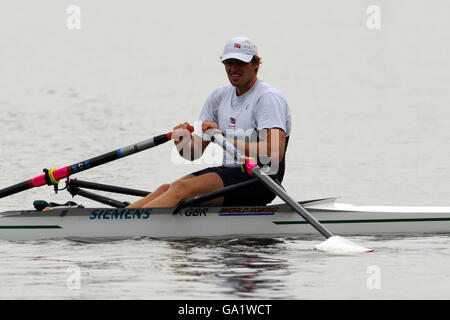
(180, 187)
(186, 188)
(164, 187)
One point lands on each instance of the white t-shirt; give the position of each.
(241, 117)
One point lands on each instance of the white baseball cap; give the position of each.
(240, 48)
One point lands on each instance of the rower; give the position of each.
(250, 113)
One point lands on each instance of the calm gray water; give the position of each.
(370, 111)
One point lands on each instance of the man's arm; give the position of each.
(271, 144)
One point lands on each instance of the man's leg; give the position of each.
(188, 187)
(149, 197)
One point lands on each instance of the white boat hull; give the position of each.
(217, 222)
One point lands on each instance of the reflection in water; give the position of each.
(246, 268)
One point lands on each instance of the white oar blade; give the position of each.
(337, 244)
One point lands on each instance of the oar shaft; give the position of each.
(254, 169)
(65, 172)
(272, 185)
(113, 155)
(19, 187)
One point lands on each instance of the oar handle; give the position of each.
(189, 128)
(54, 175)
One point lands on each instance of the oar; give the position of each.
(334, 244)
(53, 176)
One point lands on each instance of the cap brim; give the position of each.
(237, 55)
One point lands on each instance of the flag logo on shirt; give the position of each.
(232, 123)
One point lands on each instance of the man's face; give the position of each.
(239, 73)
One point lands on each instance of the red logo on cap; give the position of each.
(237, 45)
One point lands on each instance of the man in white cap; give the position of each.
(250, 113)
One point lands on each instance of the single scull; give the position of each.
(276, 220)
(189, 219)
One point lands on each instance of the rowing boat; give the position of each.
(190, 220)
(276, 220)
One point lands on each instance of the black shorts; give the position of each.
(256, 194)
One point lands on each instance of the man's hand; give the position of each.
(181, 132)
(206, 125)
